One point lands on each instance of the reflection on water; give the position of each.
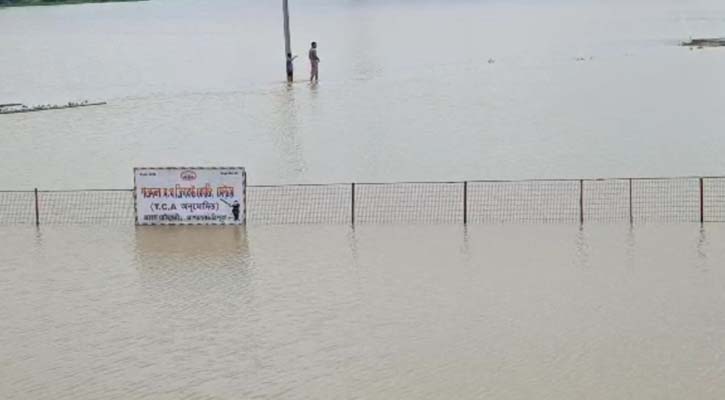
(582, 249)
(285, 123)
(702, 244)
(506, 312)
(161, 244)
(188, 262)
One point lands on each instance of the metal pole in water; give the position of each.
(465, 203)
(631, 215)
(581, 201)
(287, 44)
(352, 205)
(702, 200)
(37, 209)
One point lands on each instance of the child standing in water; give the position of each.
(290, 67)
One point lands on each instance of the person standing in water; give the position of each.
(314, 63)
(290, 67)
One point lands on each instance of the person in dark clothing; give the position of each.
(290, 67)
(235, 210)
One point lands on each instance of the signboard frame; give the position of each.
(243, 202)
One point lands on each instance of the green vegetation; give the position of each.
(22, 3)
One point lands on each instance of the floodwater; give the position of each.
(573, 89)
(372, 313)
(410, 90)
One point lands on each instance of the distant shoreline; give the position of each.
(30, 3)
(705, 42)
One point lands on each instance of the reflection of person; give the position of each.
(314, 63)
(236, 208)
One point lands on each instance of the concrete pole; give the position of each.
(287, 45)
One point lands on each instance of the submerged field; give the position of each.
(596, 92)
(380, 312)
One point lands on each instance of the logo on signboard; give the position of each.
(188, 175)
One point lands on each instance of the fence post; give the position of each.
(37, 209)
(702, 200)
(581, 201)
(352, 205)
(465, 203)
(631, 215)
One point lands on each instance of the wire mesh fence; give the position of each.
(607, 201)
(523, 202)
(476, 202)
(110, 207)
(666, 200)
(299, 204)
(17, 208)
(406, 203)
(713, 199)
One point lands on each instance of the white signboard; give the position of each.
(190, 196)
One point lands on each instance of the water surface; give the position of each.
(376, 312)
(410, 90)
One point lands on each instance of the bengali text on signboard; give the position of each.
(190, 196)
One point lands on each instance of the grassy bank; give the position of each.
(24, 3)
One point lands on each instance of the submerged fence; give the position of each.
(472, 202)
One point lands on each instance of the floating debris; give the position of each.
(14, 108)
(702, 43)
